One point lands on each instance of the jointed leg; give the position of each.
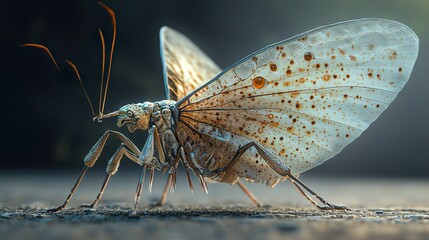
(278, 166)
(328, 206)
(95, 151)
(112, 168)
(103, 187)
(92, 157)
(79, 179)
(171, 181)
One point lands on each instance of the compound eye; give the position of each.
(130, 114)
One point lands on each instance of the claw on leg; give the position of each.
(328, 206)
(72, 191)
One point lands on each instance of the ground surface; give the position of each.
(394, 209)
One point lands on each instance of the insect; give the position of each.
(272, 115)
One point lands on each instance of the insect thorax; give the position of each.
(162, 118)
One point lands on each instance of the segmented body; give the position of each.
(162, 119)
(276, 113)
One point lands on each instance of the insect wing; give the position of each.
(304, 99)
(185, 66)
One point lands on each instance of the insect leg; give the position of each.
(79, 179)
(278, 166)
(248, 193)
(305, 194)
(95, 151)
(171, 181)
(112, 168)
(328, 206)
(139, 188)
(164, 194)
(185, 163)
(92, 157)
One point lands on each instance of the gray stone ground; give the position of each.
(388, 209)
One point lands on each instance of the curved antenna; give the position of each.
(46, 50)
(103, 49)
(113, 18)
(81, 84)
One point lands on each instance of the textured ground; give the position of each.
(394, 209)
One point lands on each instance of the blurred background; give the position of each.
(46, 122)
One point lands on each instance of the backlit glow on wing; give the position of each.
(185, 66)
(306, 98)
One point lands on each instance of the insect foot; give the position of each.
(334, 207)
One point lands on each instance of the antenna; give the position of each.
(104, 84)
(113, 18)
(46, 50)
(103, 49)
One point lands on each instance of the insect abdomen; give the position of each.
(212, 148)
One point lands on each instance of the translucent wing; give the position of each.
(185, 66)
(304, 99)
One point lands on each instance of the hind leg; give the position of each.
(282, 169)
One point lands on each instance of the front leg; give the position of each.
(92, 157)
(112, 168)
(96, 150)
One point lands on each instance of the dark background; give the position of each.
(46, 122)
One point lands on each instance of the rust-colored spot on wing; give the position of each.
(308, 56)
(294, 94)
(289, 72)
(273, 67)
(353, 58)
(326, 78)
(259, 82)
(276, 124)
